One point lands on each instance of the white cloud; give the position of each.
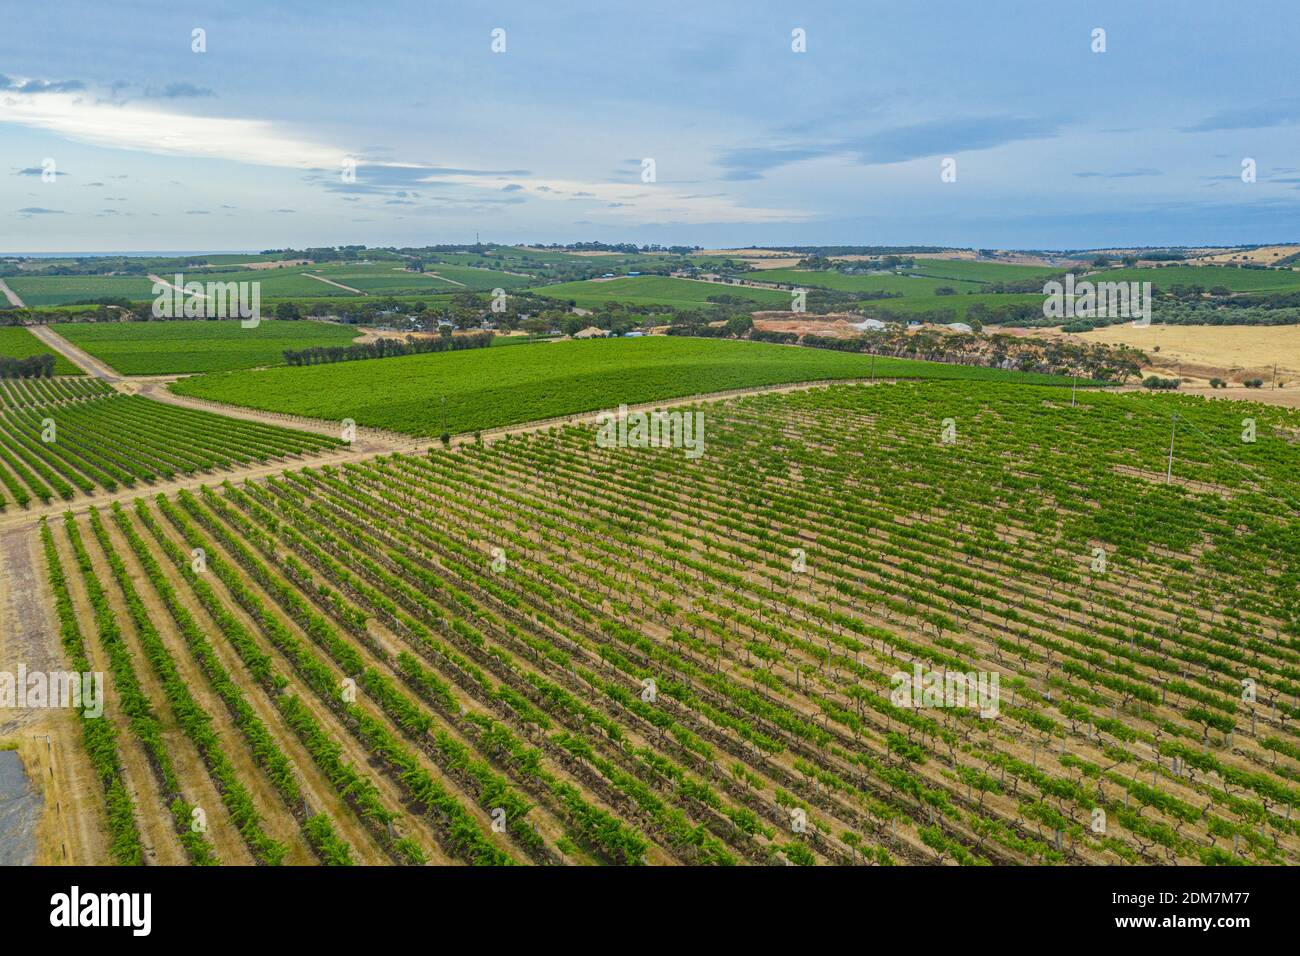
(144, 128)
(141, 127)
(639, 202)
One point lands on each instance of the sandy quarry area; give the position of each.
(831, 324)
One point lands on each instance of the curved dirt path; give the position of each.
(174, 287)
(333, 283)
(435, 275)
(369, 442)
(78, 357)
(12, 296)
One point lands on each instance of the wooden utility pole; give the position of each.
(1169, 471)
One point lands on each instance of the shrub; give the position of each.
(1155, 382)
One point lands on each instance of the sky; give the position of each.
(712, 124)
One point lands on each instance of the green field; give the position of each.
(544, 261)
(975, 271)
(478, 279)
(36, 291)
(486, 388)
(497, 599)
(958, 304)
(17, 342)
(909, 286)
(659, 290)
(279, 283)
(236, 258)
(106, 440)
(1238, 280)
(181, 346)
(388, 278)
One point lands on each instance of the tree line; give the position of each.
(386, 348)
(34, 366)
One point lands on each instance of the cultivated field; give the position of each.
(907, 285)
(960, 303)
(488, 388)
(1208, 277)
(389, 278)
(18, 342)
(18, 393)
(36, 291)
(59, 438)
(659, 290)
(569, 654)
(980, 271)
(181, 346)
(532, 646)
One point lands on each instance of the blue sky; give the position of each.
(156, 147)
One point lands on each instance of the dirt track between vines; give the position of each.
(78, 357)
(337, 285)
(368, 442)
(11, 295)
(27, 630)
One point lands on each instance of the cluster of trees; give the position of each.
(831, 251)
(387, 348)
(1092, 360)
(1156, 383)
(783, 338)
(99, 265)
(1217, 382)
(628, 248)
(1020, 285)
(694, 324)
(1227, 312)
(34, 366)
(331, 253)
(856, 266)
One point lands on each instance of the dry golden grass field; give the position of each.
(1231, 352)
